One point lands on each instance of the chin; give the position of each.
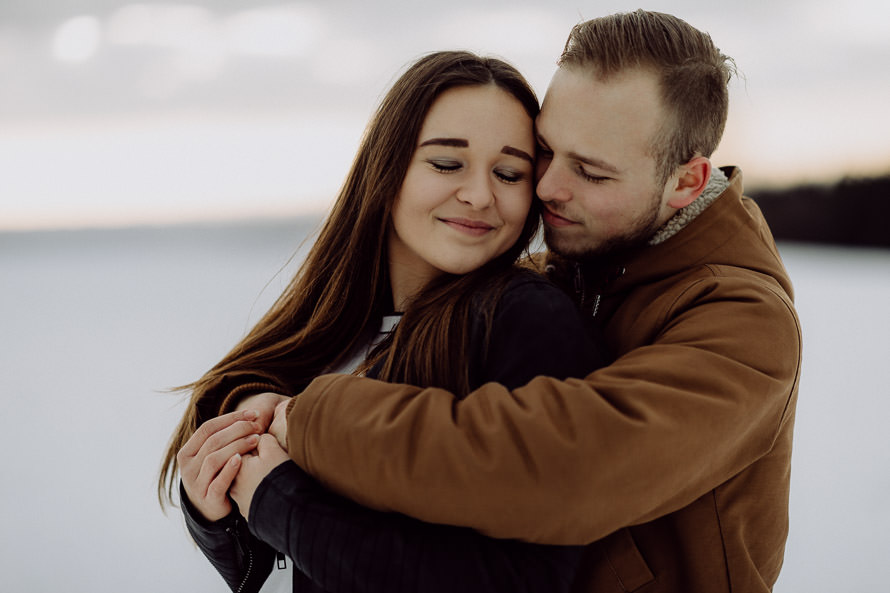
(588, 250)
(566, 246)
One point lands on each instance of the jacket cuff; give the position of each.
(299, 411)
(273, 503)
(242, 391)
(197, 525)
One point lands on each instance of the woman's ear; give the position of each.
(691, 180)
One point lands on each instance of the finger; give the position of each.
(270, 451)
(211, 427)
(228, 435)
(279, 425)
(266, 444)
(281, 413)
(217, 491)
(215, 463)
(266, 407)
(196, 467)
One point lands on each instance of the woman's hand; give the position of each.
(264, 404)
(254, 468)
(278, 428)
(211, 458)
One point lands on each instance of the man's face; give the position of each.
(596, 174)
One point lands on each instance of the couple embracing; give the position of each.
(427, 407)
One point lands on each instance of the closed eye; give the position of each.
(444, 166)
(509, 175)
(591, 178)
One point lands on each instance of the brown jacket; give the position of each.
(674, 460)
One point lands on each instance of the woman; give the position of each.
(436, 209)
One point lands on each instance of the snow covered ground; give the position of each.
(96, 324)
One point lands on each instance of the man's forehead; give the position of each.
(580, 109)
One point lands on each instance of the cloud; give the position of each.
(77, 39)
(276, 31)
(169, 26)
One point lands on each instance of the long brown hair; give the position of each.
(342, 288)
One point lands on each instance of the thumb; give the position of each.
(281, 408)
(267, 444)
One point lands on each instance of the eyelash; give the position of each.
(547, 154)
(507, 176)
(591, 178)
(444, 166)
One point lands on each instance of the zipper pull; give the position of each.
(579, 284)
(239, 545)
(281, 560)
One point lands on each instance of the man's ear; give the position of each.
(691, 180)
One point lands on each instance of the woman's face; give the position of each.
(468, 188)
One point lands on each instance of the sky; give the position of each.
(120, 114)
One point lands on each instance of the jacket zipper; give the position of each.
(581, 287)
(580, 291)
(244, 551)
(579, 284)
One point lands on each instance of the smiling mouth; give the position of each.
(555, 219)
(470, 227)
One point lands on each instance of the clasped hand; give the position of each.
(228, 456)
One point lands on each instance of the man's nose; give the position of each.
(552, 186)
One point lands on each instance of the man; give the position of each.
(672, 462)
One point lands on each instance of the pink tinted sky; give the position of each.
(119, 114)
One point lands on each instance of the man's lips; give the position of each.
(468, 226)
(553, 219)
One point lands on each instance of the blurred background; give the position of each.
(117, 114)
(162, 165)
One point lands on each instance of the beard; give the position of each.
(637, 234)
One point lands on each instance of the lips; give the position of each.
(468, 226)
(553, 219)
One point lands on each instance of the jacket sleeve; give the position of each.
(224, 394)
(342, 547)
(243, 561)
(569, 461)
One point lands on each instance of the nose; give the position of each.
(477, 191)
(551, 183)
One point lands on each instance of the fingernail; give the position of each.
(235, 460)
(252, 439)
(251, 415)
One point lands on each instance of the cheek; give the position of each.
(604, 205)
(410, 202)
(424, 191)
(514, 210)
(402, 219)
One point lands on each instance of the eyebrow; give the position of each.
(600, 164)
(461, 143)
(518, 153)
(593, 162)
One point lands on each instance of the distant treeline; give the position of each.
(851, 212)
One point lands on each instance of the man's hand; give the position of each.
(211, 458)
(264, 404)
(278, 428)
(254, 468)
